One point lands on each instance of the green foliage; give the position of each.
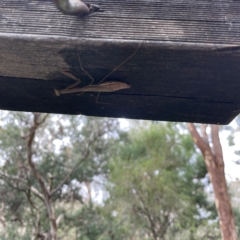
(236, 214)
(61, 144)
(12, 232)
(156, 182)
(155, 179)
(234, 192)
(91, 223)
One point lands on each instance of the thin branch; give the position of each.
(70, 173)
(36, 192)
(32, 204)
(202, 145)
(44, 118)
(36, 173)
(13, 181)
(166, 223)
(5, 176)
(2, 221)
(217, 147)
(59, 218)
(148, 214)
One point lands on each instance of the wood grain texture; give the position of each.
(187, 68)
(119, 104)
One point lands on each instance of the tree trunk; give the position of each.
(52, 218)
(46, 190)
(213, 158)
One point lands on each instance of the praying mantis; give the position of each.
(110, 86)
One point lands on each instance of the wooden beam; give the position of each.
(187, 68)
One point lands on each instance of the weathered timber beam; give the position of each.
(187, 68)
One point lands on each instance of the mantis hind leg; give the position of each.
(69, 73)
(101, 102)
